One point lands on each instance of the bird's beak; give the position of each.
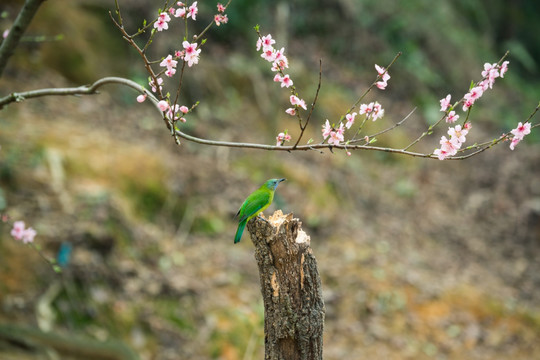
(280, 180)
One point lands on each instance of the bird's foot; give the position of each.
(262, 217)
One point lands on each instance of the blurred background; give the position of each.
(419, 259)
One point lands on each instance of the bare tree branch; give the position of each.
(10, 43)
(93, 89)
(80, 90)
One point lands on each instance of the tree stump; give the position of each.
(291, 288)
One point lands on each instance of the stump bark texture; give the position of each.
(291, 288)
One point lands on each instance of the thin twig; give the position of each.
(141, 52)
(371, 86)
(303, 127)
(117, 9)
(152, 33)
(388, 129)
(173, 107)
(197, 37)
(363, 96)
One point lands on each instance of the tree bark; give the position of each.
(291, 288)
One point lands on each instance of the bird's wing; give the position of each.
(254, 204)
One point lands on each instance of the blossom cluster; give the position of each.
(189, 54)
(373, 110)
(20, 233)
(449, 147)
(155, 86)
(173, 112)
(384, 76)
(519, 133)
(279, 62)
(185, 12)
(296, 102)
(276, 57)
(220, 17)
(162, 22)
(335, 134)
(170, 64)
(282, 137)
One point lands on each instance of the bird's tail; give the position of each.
(240, 231)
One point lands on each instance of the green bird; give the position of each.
(255, 203)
